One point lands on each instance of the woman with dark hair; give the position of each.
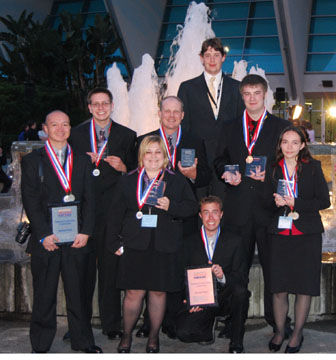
(296, 190)
(151, 237)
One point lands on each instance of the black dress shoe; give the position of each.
(236, 348)
(143, 332)
(153, 349)
(170, 332)
(274, 347)
(126, 348)
(114, 334)
(93, 349)
(66, 336)
(294, 349)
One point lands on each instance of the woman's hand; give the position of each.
(279, 200)
(163, 203)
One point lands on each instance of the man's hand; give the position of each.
(120, 251)
(93, 156)
(49, 242)
(258, 175)
(163, 203)
(116, 163)
(232, 179)
(189, 172)
(80, 241)
(217, 271)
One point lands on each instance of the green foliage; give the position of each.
(60, 65)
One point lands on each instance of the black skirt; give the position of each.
(295, 264)
(150, 269)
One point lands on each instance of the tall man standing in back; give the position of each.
(210, 100)
(243, 141)
(111, 147)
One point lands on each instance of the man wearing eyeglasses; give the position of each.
(111, 148)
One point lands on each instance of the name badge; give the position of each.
(149, 221)
(285, 222)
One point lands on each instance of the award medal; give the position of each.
(64, 175)
(96, 171)
(206, 243)
(142, 196)
(291, 185)
(172, 157)
(250, 145)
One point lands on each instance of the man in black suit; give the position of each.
(198, 175)
(54, 179)
(223, 251)
(253, 135)
(111, 148)
(210, 100)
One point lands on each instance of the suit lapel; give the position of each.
(203, 93)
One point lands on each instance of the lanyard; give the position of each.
(250, 145)
(206, 242)
(172, 157)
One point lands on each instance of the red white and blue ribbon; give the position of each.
(94, 141)
(64, 175)
(206, 242)
(291, 182)
(143, 195)
(250, 145)
(172, 157)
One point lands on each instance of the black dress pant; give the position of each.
(253, 233)
(109, 300)
(198, 326)
(46, 271)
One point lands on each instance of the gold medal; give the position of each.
(249, 159)
(294, 215)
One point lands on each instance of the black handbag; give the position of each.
(23, 231)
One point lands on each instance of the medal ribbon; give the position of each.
(206, 243)
(142, 196)
(94, 141)
(172, 157)
(291, 182)
(256, 133)
(64, 175)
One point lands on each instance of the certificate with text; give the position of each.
(201, 287)
(65, 223)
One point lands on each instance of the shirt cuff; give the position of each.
(222, 280)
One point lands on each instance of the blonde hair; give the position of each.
(144, 147)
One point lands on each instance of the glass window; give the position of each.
(89, 20)
(324, 7)
(262, 27)
(235, 45)
(262, 45)
(228, 64)
(323, 43)
(269, 63)
(321, 62)
(229, 28)
(96, 5)
(182, 2)
(229, 11)
(324, 25)
(161, 66)
(262, 9)
(164, 48)
(168, 31)
(72, 8)
(175, 14)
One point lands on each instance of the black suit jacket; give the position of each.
(168, 233)
(228, 254)
(36, 196)
(245, 200)
(190, 142)
(121, 142)
(313, 195)
(198, 115)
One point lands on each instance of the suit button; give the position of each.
(252, 187)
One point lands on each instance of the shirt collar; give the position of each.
(208, 76)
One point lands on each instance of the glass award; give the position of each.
(156, 192)
(187, 157)
(64, 221)
(257, 165)
(232, 170)
(283, 187)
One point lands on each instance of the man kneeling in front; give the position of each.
(223, 251)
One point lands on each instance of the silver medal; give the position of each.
(139, 215)
(96, 172)
(69, 198)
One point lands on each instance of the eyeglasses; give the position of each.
(104, 104)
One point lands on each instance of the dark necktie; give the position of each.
(171, 150)
(102, 137)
